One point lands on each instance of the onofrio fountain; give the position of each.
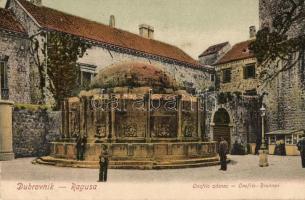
(141, 114)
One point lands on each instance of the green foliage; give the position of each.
(222, 97)
(211, 88)
(273, 45)
(31, 107)
(62, 52)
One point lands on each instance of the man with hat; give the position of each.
(223, 150)
(301, 148)
(104, 161)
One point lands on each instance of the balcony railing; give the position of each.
(5, 94)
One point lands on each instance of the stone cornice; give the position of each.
(14, 33)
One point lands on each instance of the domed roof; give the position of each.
(133, 74)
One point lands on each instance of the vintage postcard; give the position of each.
(152, 99)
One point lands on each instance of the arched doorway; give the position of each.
(221, 126)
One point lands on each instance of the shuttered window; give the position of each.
(249, 71)
(3, 75)
(3, 81)
(226, 75)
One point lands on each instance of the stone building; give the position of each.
(109, 45)
(237, 77)
(232, 110)
(237, 70)
(14, 59)
(23, 35)
(285, 102)
(213, 53)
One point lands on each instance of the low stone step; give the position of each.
(193, 165)
(130, 164)
(190, 161)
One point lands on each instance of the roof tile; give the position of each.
(213, 49)
(238, 52)
(63, 22)
(9, 22)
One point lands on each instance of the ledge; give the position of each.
(6, 102)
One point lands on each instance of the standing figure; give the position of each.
(83, 147)
(78, 147)
(301, 148)
(104, 161)
(223, 150)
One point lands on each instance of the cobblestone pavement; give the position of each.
(241, 168)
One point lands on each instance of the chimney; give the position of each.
(112, 21)
(36, 2)
(146, 31)
(252, 32)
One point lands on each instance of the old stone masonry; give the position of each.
(217, 96)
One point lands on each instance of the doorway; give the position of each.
(221, 127)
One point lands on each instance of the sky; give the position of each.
(192, 25)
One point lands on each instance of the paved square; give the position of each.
(241, 168)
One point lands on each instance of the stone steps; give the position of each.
(130, 164)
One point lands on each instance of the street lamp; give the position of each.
(263, 152)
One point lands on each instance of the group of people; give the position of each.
(223, 151)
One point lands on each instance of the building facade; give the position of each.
(14, 59)
(213, 53)
(285, 102)
(109, 45)
(237, 70)
(232, 110)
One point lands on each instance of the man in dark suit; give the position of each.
(78, 147)
(301, 148)
(223, 150)
(104, 161)
(83, 147)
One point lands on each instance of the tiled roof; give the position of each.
(8, 22)
(238, 52)
(213, 49)
(63, 22)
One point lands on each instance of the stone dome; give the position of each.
(133, 74)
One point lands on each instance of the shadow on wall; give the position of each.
(32, 131)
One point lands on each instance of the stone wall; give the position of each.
(209, 59)
(285, 103)
(244, 116)
(33, 30)
(33, 130)
(268, 9)
(238, 82)
(286, 100)
(212, 59)
(189, 77)
(102, 56)
(14, 50)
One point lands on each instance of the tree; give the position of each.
(62, 53)
(276, 47)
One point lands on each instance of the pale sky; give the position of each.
(192, 25)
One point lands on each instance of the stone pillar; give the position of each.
(6, 133)
(81, 115)
(113, 111)
(199, 134)
(148, 102)
(179, 119)
(64, 118)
